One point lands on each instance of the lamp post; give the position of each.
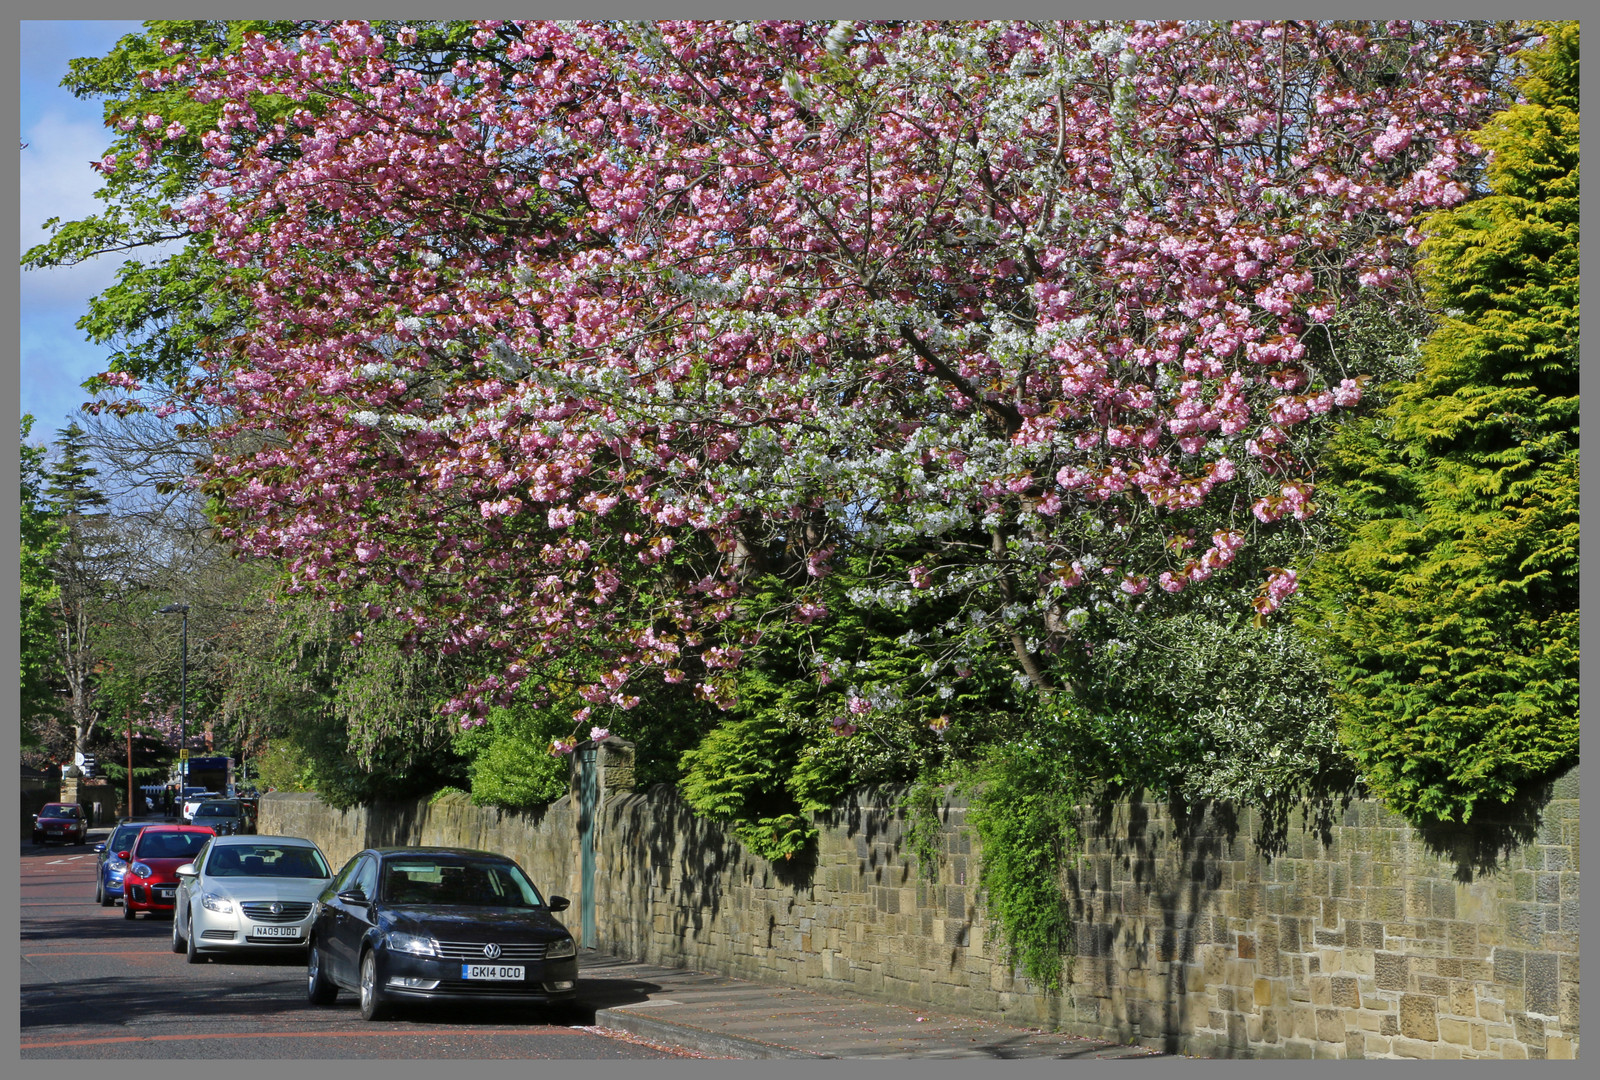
(183, 693)
(130, 762)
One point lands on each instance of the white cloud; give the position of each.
(58, 182)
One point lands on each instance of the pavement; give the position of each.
(725, 1017)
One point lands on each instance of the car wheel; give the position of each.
(190, 948)
(38, 841)
(99, 890)
(373, 1007)
(127, 912)
(319, 990)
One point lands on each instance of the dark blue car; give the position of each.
(109, 866)
(413, 925)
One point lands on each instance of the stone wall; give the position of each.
(1360, 937)
(543, 842)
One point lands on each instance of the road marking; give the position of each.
(382, 1032)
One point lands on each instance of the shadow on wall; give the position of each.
(1476, 848)
(394, 824)
(1479, 846)
(676, 839)
(1161, 877)
(403, 824)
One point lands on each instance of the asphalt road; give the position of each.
(96, 986)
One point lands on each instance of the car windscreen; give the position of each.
(59, 812)
(456, 882)
(266, 860)
(216, 810)
(123, 838)
(170, 845)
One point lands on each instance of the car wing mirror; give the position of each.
(353, 896)
(123, 854)
(559, 903)
(188, 870)
(98, 848)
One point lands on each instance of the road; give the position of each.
(99, 987)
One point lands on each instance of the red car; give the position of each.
(61, 821)
(151, 882)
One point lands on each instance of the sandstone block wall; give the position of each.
(544, 842)
(1363, 938)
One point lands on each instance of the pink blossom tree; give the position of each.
(567, 341)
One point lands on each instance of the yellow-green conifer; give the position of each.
(1451, 613)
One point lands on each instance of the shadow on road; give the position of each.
(260, 985)
(72, 1002)
(75, 1001)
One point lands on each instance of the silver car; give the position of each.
(247, 892)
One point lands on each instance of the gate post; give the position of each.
(599, 768)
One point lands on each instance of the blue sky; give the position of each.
(63, 135)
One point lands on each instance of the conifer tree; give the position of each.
(1451, 615)
(83, 566)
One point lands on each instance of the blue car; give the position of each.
(109, 867)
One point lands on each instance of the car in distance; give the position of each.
(150, 883)
(110, 865)
(63, 821)
(192, 798)
(225, 817)
(400, 925)
(243, 893)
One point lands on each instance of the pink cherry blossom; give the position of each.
(549, 343)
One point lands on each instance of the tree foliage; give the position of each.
(1203, 705)
(40, 535)
(1452, 610)
(843, 695)
(353, 711)
(1025, 804)
(1057, 302)
(86, 568)
(804, 401)
(173, 302)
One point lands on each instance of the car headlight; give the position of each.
(411, 943)
(564, 947)
(116, 866)
(213, 902)
(141, 870)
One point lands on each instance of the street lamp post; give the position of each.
(130, 762)
(183, 693)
